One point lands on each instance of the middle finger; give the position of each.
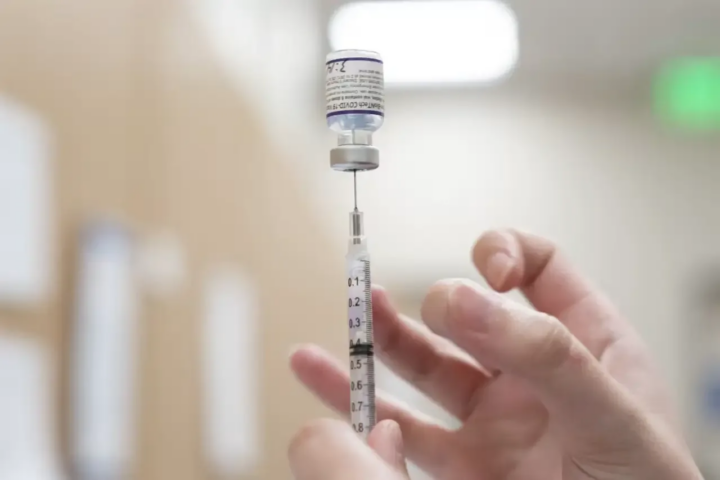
(432, 364)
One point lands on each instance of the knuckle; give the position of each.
(425, 370)
(551, 344)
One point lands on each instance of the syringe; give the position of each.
(362, 364)
(355, 110)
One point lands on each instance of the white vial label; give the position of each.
(355, 86)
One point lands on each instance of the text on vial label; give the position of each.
(355, 85)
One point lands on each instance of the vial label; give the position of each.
(355, 85)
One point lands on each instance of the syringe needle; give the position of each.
(355, 187)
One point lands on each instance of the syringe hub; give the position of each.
(357, 227)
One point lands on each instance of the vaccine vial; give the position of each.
(355, 106)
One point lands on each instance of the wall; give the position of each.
(149, 129)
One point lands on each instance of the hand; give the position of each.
(331, 450)
(563, 391)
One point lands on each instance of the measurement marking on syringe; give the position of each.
(361, 350)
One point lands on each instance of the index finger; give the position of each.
(331, 450)
(510, 259)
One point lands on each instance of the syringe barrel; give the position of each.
(360, 336)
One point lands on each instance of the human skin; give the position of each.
(565, 390)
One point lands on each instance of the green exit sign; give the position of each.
(687, 93)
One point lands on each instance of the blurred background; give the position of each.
(170, 226)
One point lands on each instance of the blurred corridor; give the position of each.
(170, 226)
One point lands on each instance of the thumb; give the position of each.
(581, 397)
(386, 439)
(331, 450)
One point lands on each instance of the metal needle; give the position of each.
(355, 187)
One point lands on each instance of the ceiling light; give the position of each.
(432, 42)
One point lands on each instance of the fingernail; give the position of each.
(498, 268)
(393, 430)
(379, 296)
(300, 346)
(397, 436)
(383, 315)
(394, 435)
(472, 308)
(397, 439)
(435, 306)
